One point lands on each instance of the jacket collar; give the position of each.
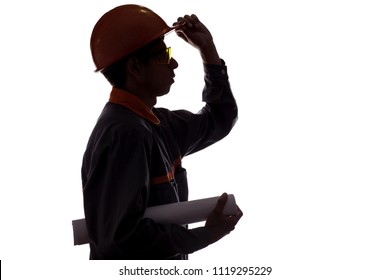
(133, 103)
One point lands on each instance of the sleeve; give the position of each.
(116, 182)
(214, 121)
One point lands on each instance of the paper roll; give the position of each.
(80, 232)
(188, 212)
(180, 213)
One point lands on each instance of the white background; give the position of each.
(308, 160)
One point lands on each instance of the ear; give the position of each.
(135, 68)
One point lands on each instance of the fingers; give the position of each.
(188, 21)
(239, 212)
(235, 218)
(191, 21)
(220, 224)
(231, 221)
(221, 203)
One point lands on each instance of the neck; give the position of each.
(148, 99)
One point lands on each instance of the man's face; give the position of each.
(159, 70)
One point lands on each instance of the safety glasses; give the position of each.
(165, 56)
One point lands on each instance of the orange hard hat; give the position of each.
(122, 31)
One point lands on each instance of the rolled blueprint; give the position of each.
(188, 212)
(180, 213)
(80, 232)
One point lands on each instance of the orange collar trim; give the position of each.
(133, 103)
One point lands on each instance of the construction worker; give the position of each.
(133, 157)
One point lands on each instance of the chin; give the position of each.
(163, 93)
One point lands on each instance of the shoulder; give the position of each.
(116, 121)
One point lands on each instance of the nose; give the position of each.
(173, 63)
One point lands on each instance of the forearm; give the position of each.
(217, 90)
(210, 54)
(163, 241)
(146, 239)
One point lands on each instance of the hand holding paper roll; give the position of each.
(219, 223)
(188, 212)
(221, 215)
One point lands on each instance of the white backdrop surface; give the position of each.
(308, 160)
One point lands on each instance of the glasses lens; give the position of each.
(168, 54)
(164, 56)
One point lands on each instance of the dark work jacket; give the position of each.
(133, 161)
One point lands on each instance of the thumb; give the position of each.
(181, 34)
(221, 203)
